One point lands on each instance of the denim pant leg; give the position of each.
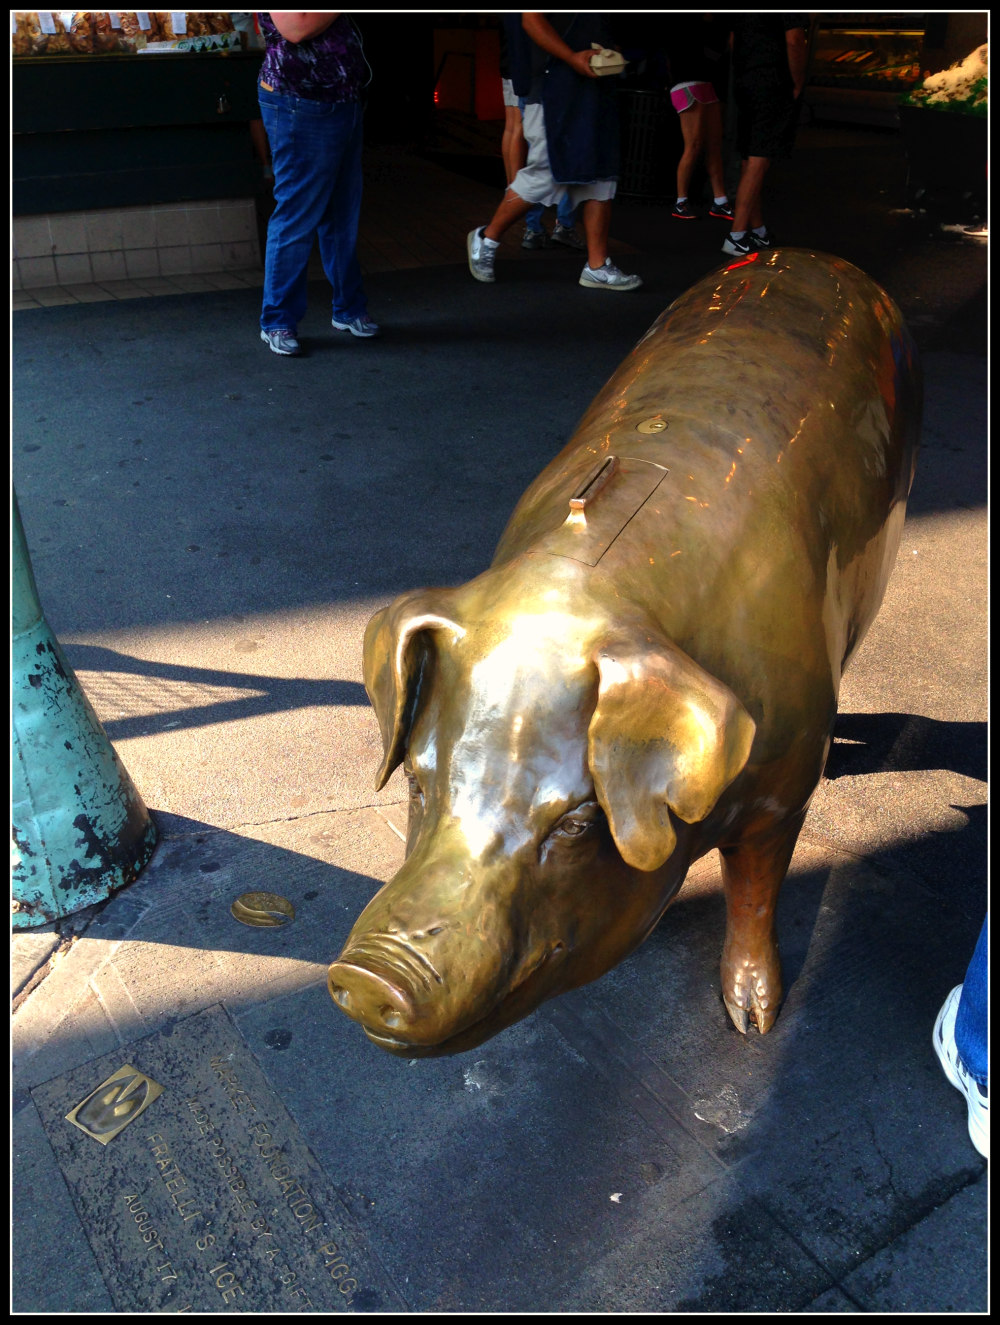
(338, 229)
(306, 139)
(566, 212)
(970, 1023)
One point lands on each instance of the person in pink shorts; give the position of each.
(691, 39)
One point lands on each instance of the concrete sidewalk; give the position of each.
(211, 527)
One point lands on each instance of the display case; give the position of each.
(860, 65)
(125, 109)
(47, 32)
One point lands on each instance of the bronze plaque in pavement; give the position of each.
(194, 1186)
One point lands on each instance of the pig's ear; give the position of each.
(396, 649)
(665, 734)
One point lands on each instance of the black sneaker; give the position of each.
(766, 240)
(740, 248)
(684, 213)
(722, 209)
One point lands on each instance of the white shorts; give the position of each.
(510, 97)
(534, 182)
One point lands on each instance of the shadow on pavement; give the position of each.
(179, 685)
(880, 742)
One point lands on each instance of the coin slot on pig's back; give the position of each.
(600, 506)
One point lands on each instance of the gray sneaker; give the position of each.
(567, 236)
(608, 277)
(359, 326)
(281, 341)
(481, 252)
(534, 239)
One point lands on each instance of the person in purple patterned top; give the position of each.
(329, 67)
(309, 89)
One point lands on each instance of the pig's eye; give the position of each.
(578, 821)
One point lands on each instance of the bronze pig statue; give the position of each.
(649, 668)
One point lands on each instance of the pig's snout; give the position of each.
(406, 1005)
(384, 983)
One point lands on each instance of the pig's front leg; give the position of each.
(752, 873)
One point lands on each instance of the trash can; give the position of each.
(651, 144)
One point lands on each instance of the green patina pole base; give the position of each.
(79, 827)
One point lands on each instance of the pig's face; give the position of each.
(543, 843)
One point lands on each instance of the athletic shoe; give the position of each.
(359, 326)
(281, 341)
(976, 1097)
(684, 213)
(766, 240)
(534, 239)
(608, 277)
(481, 254)
(567, 236)
(722, 209)
(740, 248)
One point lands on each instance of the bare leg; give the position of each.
(747, 209)
(596, 227)
(712, 124)
(751, 968)
(511, 209)
(692, 122)
(513, 147)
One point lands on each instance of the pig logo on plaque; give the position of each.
(114, 1104)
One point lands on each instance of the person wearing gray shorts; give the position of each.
(534, 184)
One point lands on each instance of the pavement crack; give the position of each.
(41, 973)
(378, 806)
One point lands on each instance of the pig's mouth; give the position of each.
(532, 986)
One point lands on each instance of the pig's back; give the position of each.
(765, 430)
(788, 379)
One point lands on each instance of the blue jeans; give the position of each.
(316, 157)
(565, 214)
(970, 1023)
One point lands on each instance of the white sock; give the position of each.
(723, 201)
(760, 230)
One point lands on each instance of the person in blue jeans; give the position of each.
(563, 231)
(960, 1040)
(309, 90)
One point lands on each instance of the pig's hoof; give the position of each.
(751, 991)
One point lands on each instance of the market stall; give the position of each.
(122, 109)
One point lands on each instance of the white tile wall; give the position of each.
(73, 269)
(76, 248)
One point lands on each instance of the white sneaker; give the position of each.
(359, 326)
(281, 340)
(976, 1097)
(608, 277)
(481, 252)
